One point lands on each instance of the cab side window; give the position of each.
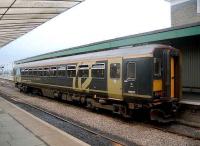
(157, 67)
(131, 70)
(115, 70)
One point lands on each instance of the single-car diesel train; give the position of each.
(122, 80)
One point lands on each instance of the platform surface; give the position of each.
(190, 99)
(20, 128)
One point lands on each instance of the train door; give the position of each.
(172, 76)
(171, 73)
(115, 78)
(175, 65)
(129, 85)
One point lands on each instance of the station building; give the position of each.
(186, 12)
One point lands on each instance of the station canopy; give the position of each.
(18, 17)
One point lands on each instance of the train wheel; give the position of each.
(83, 100)
(26, 89)
(90, 104)
(125, 112)
(64, 97)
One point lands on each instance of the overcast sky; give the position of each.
(90, 21)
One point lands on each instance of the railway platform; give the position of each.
(191, 99)
(20, 128)
(190, 109)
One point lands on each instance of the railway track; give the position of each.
(163, 128)
(112, 141)
(117, 141)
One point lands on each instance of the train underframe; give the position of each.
(163, 110)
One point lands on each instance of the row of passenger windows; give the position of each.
(98, 71)
(83, 71)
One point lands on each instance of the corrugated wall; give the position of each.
(191, 67)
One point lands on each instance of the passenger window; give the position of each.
(115, 70)
(35, 72)
(71, 71)
(40, 72)
(98, 70)
(61, 71)
(26, 73)
(46, 71)
(22, 72)
(53, 71)
(30, 72)
(83, 71)
(157, 67)
(131, 70)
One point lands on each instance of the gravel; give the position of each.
(114, 127)
(79, 133)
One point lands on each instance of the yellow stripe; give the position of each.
(98, 91)
(74, 83)
(67, 87)
(172, 77)
(114, 85)
(138, 56)
(137, 95)
(79, 83)
(86, 83)
(157, 85)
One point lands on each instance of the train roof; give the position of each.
(125, 52)
(133, 40)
